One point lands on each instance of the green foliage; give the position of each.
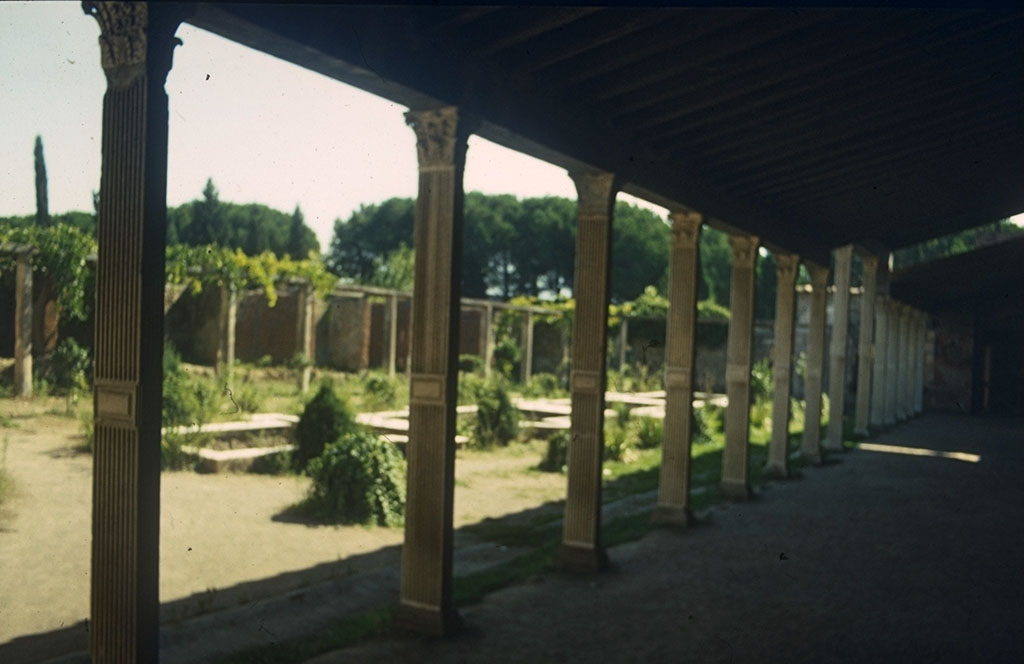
(647, 432)
(70, 366)
(358, 479)
(708, 422)
(325, 419)
(497, 419)
(172, 453)
(556, 456)
(87, 429)
(396, 270)
(761, 381)
(187, 400)
(471, 364)
(379, 388)
(709, 310)
(544, 385)
(507, 357)
(618, 445)
(956, 243)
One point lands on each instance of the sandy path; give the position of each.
(216, 530)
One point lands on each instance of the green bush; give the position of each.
(187, 400)
(472, 364)
(506, 357)
(324, 420)
(249, 399)
(647, 432)
(380, 389)
(172, 456)
(617, 443)
(557, 454)
(358, 479)
(543, 385)
(497, 419)
(707, 423)
(761, 381)
(70, 366)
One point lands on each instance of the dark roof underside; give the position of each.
(809, 128)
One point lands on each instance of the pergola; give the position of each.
(815, 133)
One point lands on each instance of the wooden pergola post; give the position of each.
(23, 322)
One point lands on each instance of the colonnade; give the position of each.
(137, 41)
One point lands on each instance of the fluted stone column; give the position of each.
(581, 536)
(902, 355)
(837, 353)
(880, 377)
(736, 455)
(810, 447)
(785, 300)
(136, 44)
(865, 361)
(426, 587)
(23, 322)
(891, 353)
(526, 363)
(673, 506)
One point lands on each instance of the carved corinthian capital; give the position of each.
(122, 39)
(786, 265)
(438, 133)
(819, 276)
(744, 250)
(595, 191)
(685, 228)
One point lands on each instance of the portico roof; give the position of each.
(811, 128)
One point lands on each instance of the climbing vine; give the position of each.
(62, 252)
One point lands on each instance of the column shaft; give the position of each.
(810, 447)
(735, 457)
(922, 339)
(902, 354)
(305, 334)
(426, 586)
(891, 353)
(526, 364)
(673, 506)
(23, 323)
(623, 341)
(862, 414)
(581, 538)
(392, 333)
(785, 309)
(880, 376)
(136, 42)
(226, 347)
(837, 353)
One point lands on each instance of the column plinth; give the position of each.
(673, 507)
(785, 309)
(736, 455)
(810, 446)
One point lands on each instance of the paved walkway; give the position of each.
(879, 557)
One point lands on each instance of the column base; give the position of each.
(811, 458)
(777, 470)
(672, 516)
(832, 446)
(862, 432)
(572, 558)
(428, 620)
(736, 489)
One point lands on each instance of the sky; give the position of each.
(265, 130)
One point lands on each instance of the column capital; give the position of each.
(595, 191)
(744, 250)
(127, 39)
(819, 276)
(786, 265)
(869, 261)
(437, 132)
(685, 228)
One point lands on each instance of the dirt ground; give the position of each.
(217, 531)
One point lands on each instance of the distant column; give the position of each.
(526, 361)
(23, 322)
(785, 299)
(426, 588)
(810, 447)
(305, 334)
(226, 348)
(902, 354)
(136, 43)
(623, 341)
(837, 354)
(922, 345)
(862, 414)
(880, 376)
(488, 333)
(891, 353)
(581, 536)
(736, 455)
(392, 333)
(673, 506)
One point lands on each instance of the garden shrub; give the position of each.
(506, 357)
(70, 366)
(543, 385)
(761, 381)
(358, 480)
(497, 419)
(707, 423)
(472, 364)
(470, 386)
(324, 420)
(617, 443)
(249, 399)
(172, 456)
(187, 400)
(557, 454)
(647, 432)
(380, 389)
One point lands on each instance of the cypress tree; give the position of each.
(42, 207)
